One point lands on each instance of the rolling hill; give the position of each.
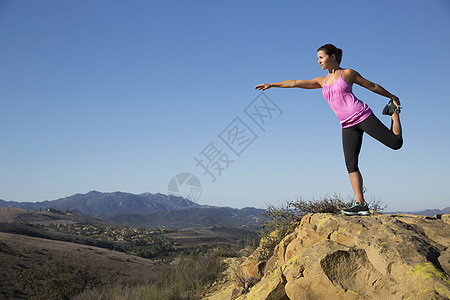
(20, 252)
(18, 215)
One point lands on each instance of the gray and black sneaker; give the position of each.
(357, 209)
(390, 108)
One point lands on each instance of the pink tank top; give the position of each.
(349, 109)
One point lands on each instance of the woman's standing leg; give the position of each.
(357, 184)
(352, 140)
(372, 126)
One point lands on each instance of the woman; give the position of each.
(355, 116)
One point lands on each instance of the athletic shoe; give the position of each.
(357, 209)
(390, 108)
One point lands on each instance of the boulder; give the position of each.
(331, 256)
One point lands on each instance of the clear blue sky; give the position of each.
(122, 95)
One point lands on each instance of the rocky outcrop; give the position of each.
(332, 256)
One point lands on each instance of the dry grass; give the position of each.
(186, 281)
(18, 253)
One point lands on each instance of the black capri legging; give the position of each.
(352, 139)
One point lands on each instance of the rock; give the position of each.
(251, 268)
(226, 288)
(446, 218)
(332, 256)
(272, 288)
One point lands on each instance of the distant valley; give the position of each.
(112, 252)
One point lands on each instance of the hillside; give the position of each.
(18, 215)
(19, 252)
(29, 239)
(331, 256)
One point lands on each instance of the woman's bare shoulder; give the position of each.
(349, 75)
(320, 80)
(350, 72)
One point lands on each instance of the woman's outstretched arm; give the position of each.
(371, 86)
(315, 83)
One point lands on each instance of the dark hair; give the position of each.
(331, 49)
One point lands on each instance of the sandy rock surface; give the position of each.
(332, 256)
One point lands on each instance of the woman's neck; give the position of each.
(332, 70)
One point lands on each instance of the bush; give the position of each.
(150, 291)
(228, 251)
(193, 273)
(283, 220)
(55, 280)
(243, 281)
(185, 282)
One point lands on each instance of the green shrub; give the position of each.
(55, 280)
(227, 251)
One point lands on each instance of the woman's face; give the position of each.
(325, 60)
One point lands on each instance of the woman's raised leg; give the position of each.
(396, 126)
(376, 129)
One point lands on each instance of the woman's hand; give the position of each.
(263, 87)
(395, 100)
(315, 83)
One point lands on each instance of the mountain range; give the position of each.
(157, 210)
(147, 210)
(96, 203)
(426, 212)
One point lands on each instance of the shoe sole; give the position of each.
(387, 111)
(390, 109)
